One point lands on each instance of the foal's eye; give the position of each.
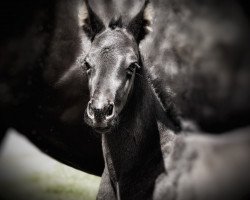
(88, 67)
(132, 68)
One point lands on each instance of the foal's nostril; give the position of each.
(110, 110)
(100, 113)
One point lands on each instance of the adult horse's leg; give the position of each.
(3, 130)
(3, 127)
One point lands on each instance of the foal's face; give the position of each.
(111, 62)
(111, 65)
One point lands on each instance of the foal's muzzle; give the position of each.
(100, 114)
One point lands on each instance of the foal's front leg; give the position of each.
(106, 190)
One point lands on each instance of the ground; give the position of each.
(26, 173)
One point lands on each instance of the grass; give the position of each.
(26, 173)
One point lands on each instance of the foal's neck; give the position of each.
(136, 139)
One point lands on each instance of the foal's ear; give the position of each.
(141, 24)
(89, 21)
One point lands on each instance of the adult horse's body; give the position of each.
(198, 58)
(36, 98)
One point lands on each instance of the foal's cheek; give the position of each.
(121, 96)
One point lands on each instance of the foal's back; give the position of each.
(207, 167)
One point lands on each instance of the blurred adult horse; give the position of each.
(37, 98)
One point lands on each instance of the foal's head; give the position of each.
(111, 63)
